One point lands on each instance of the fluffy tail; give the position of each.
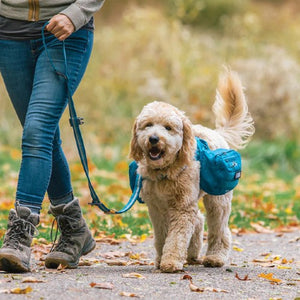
(233, 121)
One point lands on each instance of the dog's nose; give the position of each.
(153, 139)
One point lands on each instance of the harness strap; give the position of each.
(75, 122)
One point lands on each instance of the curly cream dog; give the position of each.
(163, 144)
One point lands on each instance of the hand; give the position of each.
(61, 26)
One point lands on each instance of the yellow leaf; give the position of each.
(18, 290)
(235, 248)
(269, 277)
(283, 267)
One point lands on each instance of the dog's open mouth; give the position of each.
(155, 153)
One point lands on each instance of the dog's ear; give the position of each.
(187, 151)
(135, 150)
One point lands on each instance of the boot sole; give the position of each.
(10, 263)
(53, 263)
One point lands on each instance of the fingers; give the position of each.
(60, 26)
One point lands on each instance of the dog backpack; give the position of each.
(220, 169)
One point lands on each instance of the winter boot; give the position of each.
(15, 252)
(75, 239)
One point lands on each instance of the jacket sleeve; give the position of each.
(81, 11)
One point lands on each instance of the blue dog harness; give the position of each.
(220, 170)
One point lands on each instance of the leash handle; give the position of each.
(75, 122)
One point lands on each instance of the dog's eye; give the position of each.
(168, 127)
(149, 125)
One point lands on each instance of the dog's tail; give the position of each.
(233, 121)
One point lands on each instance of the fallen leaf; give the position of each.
(242, 279)
(19, 290)
(116, 262)
(127, 294)
(297, 239)
(259, 228)
(61, 268)
(31, 279)
(235, 248)
(197, 289)
(113, 254)
(186, 276)
(269, 277)
(102, 285)
(283, 267)
(133, 275)
(258, 260)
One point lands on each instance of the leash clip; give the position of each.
(77, 121)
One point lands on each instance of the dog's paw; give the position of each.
(171, 267)
(213, 261)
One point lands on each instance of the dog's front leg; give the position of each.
(159, 223)
(219, 237)
(181, 228)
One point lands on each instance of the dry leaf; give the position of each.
(186, 277)
(242, 279)
(18, 290)
(127, 294)
(235, 248)
(297, 239)
(113, 254)
(269, 277)
(283, 267)
(261, 260)
(102, 285)
(108, 240)
(61, 268)
(197, 289)
(260, 229)
(32, 279)
(116, 262)
(133, 275)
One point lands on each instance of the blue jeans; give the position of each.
(39, 98)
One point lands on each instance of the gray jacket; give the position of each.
(79, 11)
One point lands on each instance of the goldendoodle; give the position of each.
(163, 144)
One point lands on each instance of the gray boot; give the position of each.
(75, 239)
(15, 252)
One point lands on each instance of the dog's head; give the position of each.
(162, 135)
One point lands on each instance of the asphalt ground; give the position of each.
(261, 266)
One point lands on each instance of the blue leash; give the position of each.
(75, 122)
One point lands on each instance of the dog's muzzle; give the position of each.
(155, 152)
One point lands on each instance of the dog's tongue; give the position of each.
(154, 152)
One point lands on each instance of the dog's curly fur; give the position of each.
(163, 144)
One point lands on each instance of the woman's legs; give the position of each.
(39, 97)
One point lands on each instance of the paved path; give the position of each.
(252, 255)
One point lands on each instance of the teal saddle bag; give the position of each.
(220, 169)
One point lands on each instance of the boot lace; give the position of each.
(67, 225)
(16, 234)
